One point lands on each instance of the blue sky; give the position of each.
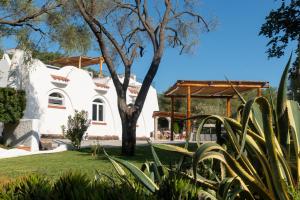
(233, 49)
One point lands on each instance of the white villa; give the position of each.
(53, 93)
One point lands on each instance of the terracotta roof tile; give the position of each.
(60, 78)
(102, 85)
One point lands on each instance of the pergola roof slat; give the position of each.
(213, 88)
(76, 60)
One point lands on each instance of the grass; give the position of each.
(54, 165)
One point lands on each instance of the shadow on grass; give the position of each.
(142, 154)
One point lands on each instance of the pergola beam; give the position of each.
(202, 97)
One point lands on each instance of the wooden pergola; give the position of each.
(209, 89)
(79, 61)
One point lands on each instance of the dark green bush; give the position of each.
(12, 105)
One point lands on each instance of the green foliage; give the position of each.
(35, 24)
(281, 27)
(174, 187)
(109, 187)
(73, 185)
(45, 56)
(176, 128)
(159, 181)
(294, 77)
(76, 127)
(12, 105)
(35, 187)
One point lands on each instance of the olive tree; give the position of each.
(125, 29)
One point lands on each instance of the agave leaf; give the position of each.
(273, 111)
(117, 167)
(158, 164)
(174, 148)
(138, 174)
(200, 151)
(186, 145)
(294, 120)
(145, 167)
(233, 140)
(239, 112)
(232, 187)
(245, 121)
(237, 92)
(233, 123)
(281, 107)
(234, 168)
(278, 180)
(206, 195)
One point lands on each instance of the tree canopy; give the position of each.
(42, 26)
(282, 26)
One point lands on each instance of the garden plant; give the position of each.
(76, 127)
(257, 159)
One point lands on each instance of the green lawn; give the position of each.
(53, 165)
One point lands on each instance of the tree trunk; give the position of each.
(128, 135)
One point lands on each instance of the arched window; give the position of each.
(56, 98)
(98, 110)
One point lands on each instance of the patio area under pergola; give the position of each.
(190, 89)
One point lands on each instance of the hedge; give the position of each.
(12, 105)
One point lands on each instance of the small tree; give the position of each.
(77, 125)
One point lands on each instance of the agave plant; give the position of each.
(260, 156)
(258, 160)
(159, 181)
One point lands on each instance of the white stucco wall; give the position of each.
(79, 93)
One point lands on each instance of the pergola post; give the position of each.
(101, 59)
(228, 107)
(258, 92)
(188, 111)
(155, 127)
(79, 62)
(172, 118)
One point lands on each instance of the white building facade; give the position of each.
(54, 93)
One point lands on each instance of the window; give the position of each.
(56, 99)
(98, 110)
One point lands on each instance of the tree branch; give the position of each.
(102, 45)
(199, 17)
(18, 22)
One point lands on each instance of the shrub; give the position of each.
(32, 187)
(12, 105)
(73, 185)
(76, 127)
